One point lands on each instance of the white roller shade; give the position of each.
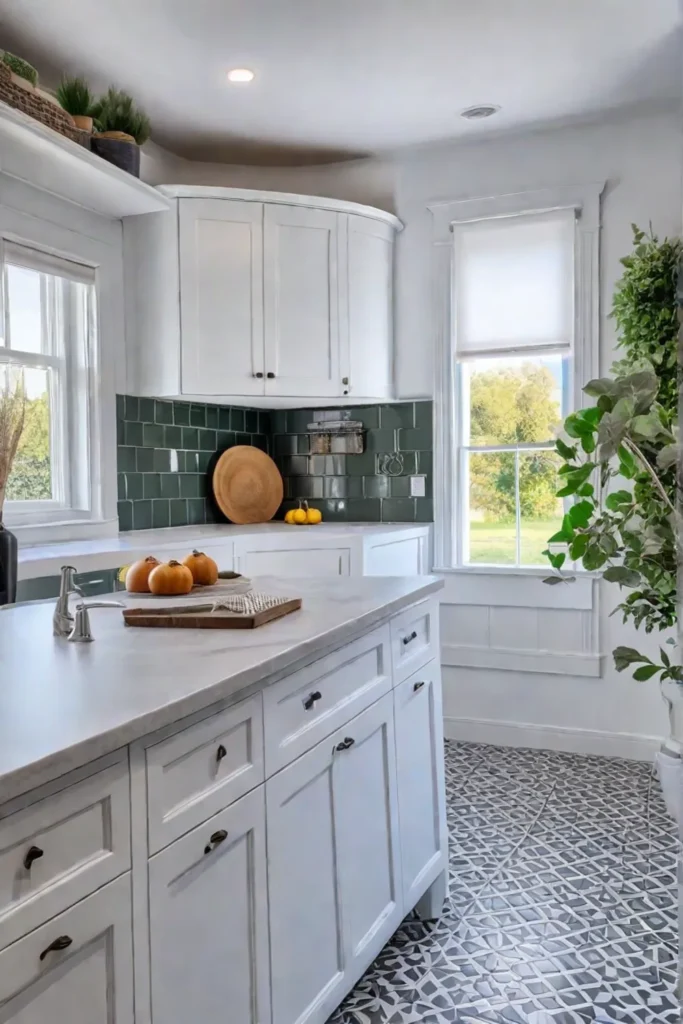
(46, 263)
(514, 283)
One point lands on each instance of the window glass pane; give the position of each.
(512, 401)
(491, 523)
(31, 476)
(24, 305)
(514, 282)
(540, 511)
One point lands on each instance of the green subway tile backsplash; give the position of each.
(164, 451)
(358, 488)
(166, 447)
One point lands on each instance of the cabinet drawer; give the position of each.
(77, 968)
(61, 848)
(198, 771)
(304, 708)
(414, 638)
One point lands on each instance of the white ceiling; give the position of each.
(341, 78)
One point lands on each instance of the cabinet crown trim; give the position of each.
(284, 198)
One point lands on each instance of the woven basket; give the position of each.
(30, 102)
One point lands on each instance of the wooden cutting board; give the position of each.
(247, 485)
(186, 617)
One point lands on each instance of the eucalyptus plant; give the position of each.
(620, 457)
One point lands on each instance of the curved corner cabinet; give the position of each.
(242, 294)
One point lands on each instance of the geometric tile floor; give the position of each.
(562, 905)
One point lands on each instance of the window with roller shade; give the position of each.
(513, 334)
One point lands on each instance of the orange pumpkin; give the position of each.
(137, 577)
(170, 578)
(204, 570)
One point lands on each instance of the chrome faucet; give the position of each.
(63, 620)
(80, 634)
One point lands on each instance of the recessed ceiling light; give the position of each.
(480, 111)
(240, 75)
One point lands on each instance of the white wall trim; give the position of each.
(507, 590)
(512, 659)
(551, 737)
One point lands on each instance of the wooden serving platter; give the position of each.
(189, 617)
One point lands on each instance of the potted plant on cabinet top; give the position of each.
(121, 130)
(12, 413)
(75, 97)
(23, 73)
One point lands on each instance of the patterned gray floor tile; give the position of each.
(562, 903)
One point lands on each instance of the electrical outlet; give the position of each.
(417, 487)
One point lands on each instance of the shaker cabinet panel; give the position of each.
(420, 765)
(208, 921)
(293, 562)
(221, 297)
(77, 968)
(301, 301)
(368, 826)
(370, 268)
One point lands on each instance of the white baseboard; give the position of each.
(552, 737)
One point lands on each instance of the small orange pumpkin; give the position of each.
(137, 577)
(204, 570)
(170, 578)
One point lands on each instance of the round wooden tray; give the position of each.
(247, 485)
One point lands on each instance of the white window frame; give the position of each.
(60, 230)
(584, 200)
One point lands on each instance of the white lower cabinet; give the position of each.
(333, 867)
(420, 766)
(77, 968)
(209, 920)
(294, 561)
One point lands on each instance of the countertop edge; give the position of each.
(19, 781)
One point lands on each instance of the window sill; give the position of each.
(28, 534)
(534, 571)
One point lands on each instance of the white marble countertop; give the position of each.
(111, 553)
(64, 704)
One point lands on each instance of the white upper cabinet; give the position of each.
(301, 299)
(221, 292)
(238, 294)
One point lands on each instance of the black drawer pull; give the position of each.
(216, 839)
(409, 639)
(258, 374)
(345, 744)
(63, 942)
(220, 753)
(417, 687)
(33, 853)
(311, 699)
(270, 376)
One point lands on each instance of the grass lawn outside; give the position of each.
(494, 543)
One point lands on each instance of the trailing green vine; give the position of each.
(620, 456)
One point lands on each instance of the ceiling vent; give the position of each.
(480, 111)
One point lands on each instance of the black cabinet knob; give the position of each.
(33, 853)
(63, 942)
(220, 753)
(270, 375)
(258, 374)
(409, 639)
(417, 687)
(311, 699)
(216, 839)
(345, 744)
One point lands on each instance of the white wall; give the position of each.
(640, 158)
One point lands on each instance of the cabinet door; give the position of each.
(369, 272)
(77, 968)
(221, 292)
(307, 954)
(367, 823)
(296, 562)
(208, 920)
(420, 759)
(301, 302)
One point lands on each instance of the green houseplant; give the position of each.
(620, 457)
(75, 97)
(22, 71)
(121, 129)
